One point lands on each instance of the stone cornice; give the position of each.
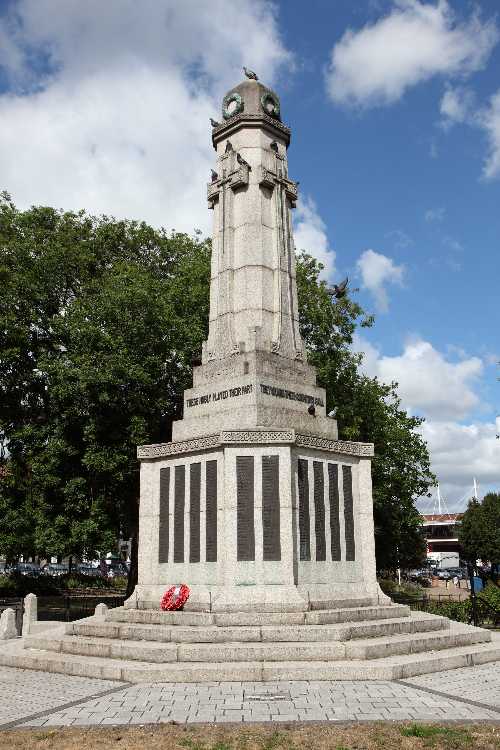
(228, 127)
(254, 437)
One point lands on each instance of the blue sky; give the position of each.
(395, 141)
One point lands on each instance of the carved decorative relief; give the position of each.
(159, 450)
(335, 446)
(257, 436)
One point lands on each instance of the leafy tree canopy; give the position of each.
(99, 321)
(479, 531)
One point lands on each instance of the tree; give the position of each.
(479, 530)
(99, 320)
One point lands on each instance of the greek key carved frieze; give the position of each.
(184, 446)
(335, 446)
(257, 436)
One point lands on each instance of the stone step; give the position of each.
(388, 668)
(253, 619)
(213, 634)
(364, 648)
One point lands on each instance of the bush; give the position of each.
(391, 588)
(7, 587)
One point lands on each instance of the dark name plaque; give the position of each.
(304, 517)
(333, 496)
(179, 503)
(164, 525)
(271, 390)
(211, 511)
(194, 512)
(350, 549)
(271, 508)
(319, 510)
(245, 500)
(208, 398)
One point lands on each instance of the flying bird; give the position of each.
(250, 74)
(214, 123)
(215, 176)
(338, 290)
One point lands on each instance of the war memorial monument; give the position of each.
(256, 504)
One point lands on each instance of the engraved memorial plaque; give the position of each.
(179, 503)
(245, 549)
(333, 496)
(164, 522)
(271, 508)
(194, 512)
(211, 511)
(350, 549)
(319, 510)
(304, 517)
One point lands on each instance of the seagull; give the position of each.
(274, 146)
(241, 160)
(214, 123)
(338, 290)
(250, 74)
(215, 176)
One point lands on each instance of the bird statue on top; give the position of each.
(250, 74)
(338, 290)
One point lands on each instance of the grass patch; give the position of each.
(293, 736)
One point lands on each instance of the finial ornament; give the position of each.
(250, 74)
(214, 123)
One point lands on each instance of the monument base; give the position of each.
(257, 520)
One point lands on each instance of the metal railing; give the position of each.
(70, 607)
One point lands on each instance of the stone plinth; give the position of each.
(273, 520)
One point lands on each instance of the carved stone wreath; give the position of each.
(228, 100)
(270, 105)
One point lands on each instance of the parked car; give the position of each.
(4, 569)
(55, 569)
(25, 569)
(444, 575)
(86, 569)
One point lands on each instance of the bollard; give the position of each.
(8, 625)
(30, 613)
(101, 609)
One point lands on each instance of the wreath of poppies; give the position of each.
(175, 598)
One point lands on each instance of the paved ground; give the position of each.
(29, 698)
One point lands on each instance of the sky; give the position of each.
(394, 107)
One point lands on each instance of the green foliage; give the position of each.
(99, 320)
(479, 530)
(431, 730)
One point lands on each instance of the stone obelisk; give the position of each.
(255, 504)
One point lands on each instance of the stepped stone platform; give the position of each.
(361, 642)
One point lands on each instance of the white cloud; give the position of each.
(456, 105)
(411, 44)
(377, 270)
(311, 236)
(460, 452)
(435, 214)
(489, 120)
(429, 384)
(113, 114)
(444, 392)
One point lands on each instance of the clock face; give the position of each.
(270, 104)
(232, 105)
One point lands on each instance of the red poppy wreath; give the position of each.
(175, 597)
